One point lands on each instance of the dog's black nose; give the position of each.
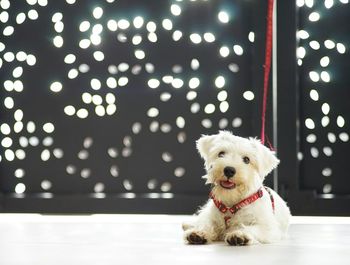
(229, 172)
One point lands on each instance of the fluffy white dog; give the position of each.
(240, 211)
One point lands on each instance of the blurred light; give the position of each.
(251, 37)
(167, 24)
(300, 3)
(248, 95)
(56, 17)
(314, 16)
(341, 48)
(238, 49)
(152, 112)
(223, 17)
(59, 26)
(56, 87)
(328, 3)
(177, 35)
(209, 109)
(175, 9)
(112, 25)
(20, 188)
(314, 76)
(193, 83)
(301, 52)
(220, 82)
(97, 12)
(84, 43)
(95, 39)
(325, 76)
(224, 51)
(324, 62)
(123, 24)
(97, 29)
(195, 64)
(314, 44)
(309, 3)
(84, 26)
(138, 22)
(329, 44)
(195, 38)
(177, 83)
(303, 34)
(209, 37)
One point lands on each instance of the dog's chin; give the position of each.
(226, 184)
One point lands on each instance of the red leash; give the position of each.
(268, 51)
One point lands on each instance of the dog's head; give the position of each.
(235, 163)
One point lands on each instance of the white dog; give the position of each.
(240, 211)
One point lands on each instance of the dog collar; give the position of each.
(235, 208)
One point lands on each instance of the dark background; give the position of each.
(129, 162)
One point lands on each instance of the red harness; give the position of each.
(235, 208)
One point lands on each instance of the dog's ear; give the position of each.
(203, 145)
(266, 158)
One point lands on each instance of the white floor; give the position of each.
(157, 239)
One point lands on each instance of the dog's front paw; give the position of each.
(196, 238)
(238, 239)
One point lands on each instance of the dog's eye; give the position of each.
(221, 154)
(246, 160)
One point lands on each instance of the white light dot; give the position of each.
(248, 95)
(152, 112)
(56, 17)
(20, 56)
(314, 16)
(59, 26)
(45, 155)
(311, 138)
(251, 37)
(223, 17)
(138, 22)
(152, 37)
(56, 87)
(195, 107)
(73, 73)
(84, 26)
(222, 95)
(167, 24)
(325, 121)
(6, 142)
(4, 17)
(165, 96)
(20, 18)
(341, 48)
(33, 14)
(95, 84)
(69, 110)
(97, 29)
(82, 113)
(301, 52)
(303, 34)
(309, 3)
(314, 76)
(153, 83)
(48, 127)
(100, 110)
(140, 54)
(209, 37)
(177, 35)
(314, 45)
(136, 40)
(111, 82)
(99, 56)
(151, 26)
(206, 123)
(58, 41)
(84, 68)
(18, 86)
(195, 38)
(209, 108)
(329, 44)
(112, 25)
(224, 106)
(5, 129)
(177, 83)
(220, 82)
(238, 49)
(20, 188)
(324, 62)
(340, 121)
(17, 72)
(314, 95)
(9, 56)
(9, 103)
(325, 76)
(224, 51)
(71, 2)
(31, 127)
(191, 95)
(110, 98)
(95, 39)
(97, 99)
(328, 3)
(175, 9)
(84, 43)
(8, 31)
(69, 59)
(309, 123)
(123, 24)
(97, 12)
(31, 59)
(325, 108)
(193, 83)
(111, 109)
(123, 81)
(195, 64)
(344, 137)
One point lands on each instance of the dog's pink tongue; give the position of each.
(227, 184)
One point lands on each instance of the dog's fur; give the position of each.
(254, 223)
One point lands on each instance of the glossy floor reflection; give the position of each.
(157, 239)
